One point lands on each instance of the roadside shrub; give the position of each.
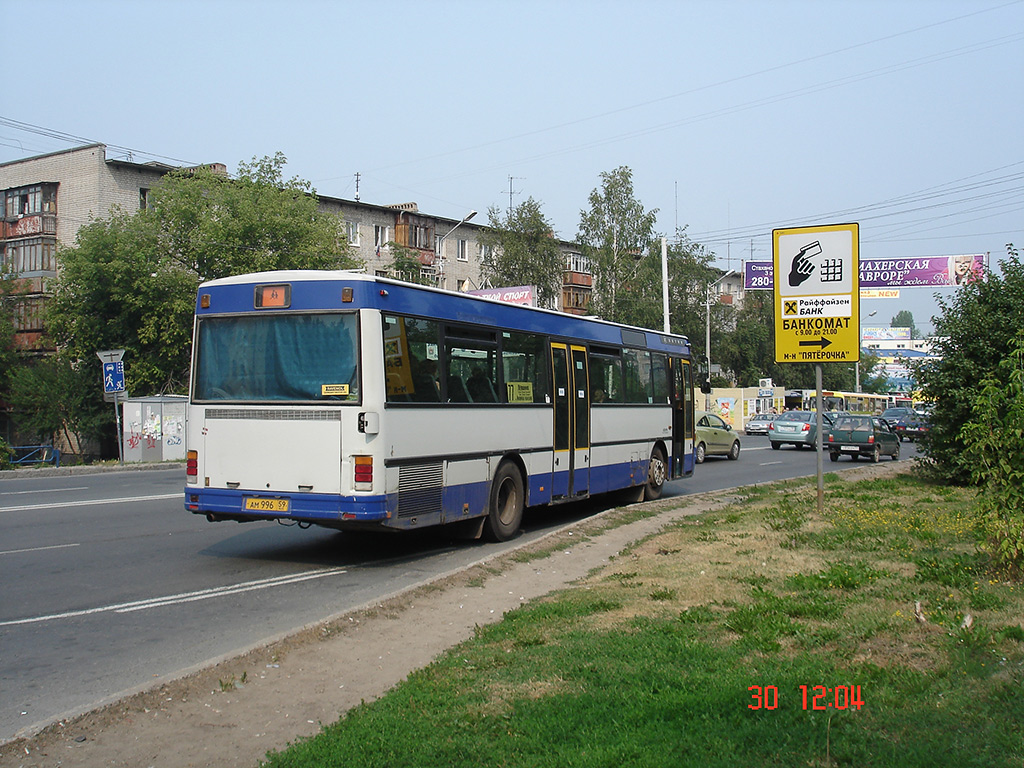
(973, 335)
(6, 453)
(994, 441)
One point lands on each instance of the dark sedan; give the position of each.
(866, 436)
(912, 427)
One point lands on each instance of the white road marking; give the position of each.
(38, 549)
(95, 502)
(45, 490)
(185, 597)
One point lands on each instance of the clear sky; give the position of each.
(735, 116)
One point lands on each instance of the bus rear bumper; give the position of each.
(318, 509)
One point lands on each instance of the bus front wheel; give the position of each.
(505, 511)
(657, 471)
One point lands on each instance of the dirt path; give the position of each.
(230, 715)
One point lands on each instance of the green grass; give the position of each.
(659, 663)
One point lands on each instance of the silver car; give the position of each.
(799, 428)
(758, 425)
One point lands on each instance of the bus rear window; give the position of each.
(278, 358)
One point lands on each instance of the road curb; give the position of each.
(87, 469)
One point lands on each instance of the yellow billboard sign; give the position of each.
(817, 293)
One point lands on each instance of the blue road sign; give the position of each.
(113, 377)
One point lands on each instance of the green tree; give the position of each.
(522, 250)
(973, 336)
(870, 382)
(615, 234)
(748, 350)
(130, 280)
(58, 396)
(8, 353)
(905, 319)
(214, 226)
(690, 271)
(406, 266)
(994, 442)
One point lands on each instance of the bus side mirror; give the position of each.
(705, 386)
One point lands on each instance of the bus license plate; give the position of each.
(266, 505)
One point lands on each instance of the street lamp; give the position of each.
(707, 336)
(440, 244)
(856, 366)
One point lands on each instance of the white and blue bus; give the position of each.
(349, 401)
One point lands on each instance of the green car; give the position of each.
(868, 436)
(715, 437)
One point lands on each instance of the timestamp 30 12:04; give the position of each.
(814, 697)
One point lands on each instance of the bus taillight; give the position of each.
(192, 467)
(364, 472)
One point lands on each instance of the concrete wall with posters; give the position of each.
(153, 428)
(737, 405)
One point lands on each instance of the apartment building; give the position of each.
(45, 199)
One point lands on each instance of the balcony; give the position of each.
(29, 224)
(577, 278)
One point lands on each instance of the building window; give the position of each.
(463, 253)
(420, 236)
(352, 228)
(575, 299)
(577, 262)
(143, 198)
(34, 255)
(381, 236)
(28, 314)
(28, 201)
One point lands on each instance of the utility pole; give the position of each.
(357, 186)
(510, 192)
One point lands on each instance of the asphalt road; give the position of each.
(109, 585)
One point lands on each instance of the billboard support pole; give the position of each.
(818, 441)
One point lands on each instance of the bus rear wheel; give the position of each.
(505, 510)
(657, 471)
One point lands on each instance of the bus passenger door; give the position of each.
(581, 422)
(682, 417)
(571, 399)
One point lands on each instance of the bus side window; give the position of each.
(524, 363)
(660, 376)
(637, 369)
(471, 365)
(410, 356)
(605, 376)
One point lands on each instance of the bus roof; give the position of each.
(400, 297)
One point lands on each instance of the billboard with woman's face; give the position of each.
(919, 271)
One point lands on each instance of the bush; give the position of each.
(994, 450)
(972, 342)
(6, 453)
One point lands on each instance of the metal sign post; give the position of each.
(114, 387)
(816, 274)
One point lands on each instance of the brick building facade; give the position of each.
(45, 199)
